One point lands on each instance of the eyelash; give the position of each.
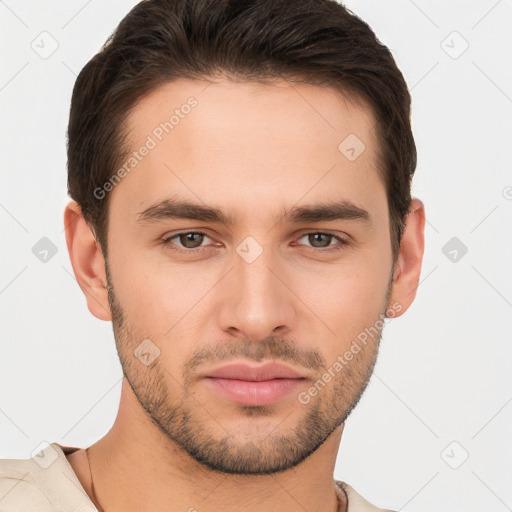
(166, 242)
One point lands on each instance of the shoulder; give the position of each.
(45, 482)
(19, 487)
(356, 503)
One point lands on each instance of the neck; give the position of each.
(136, 467)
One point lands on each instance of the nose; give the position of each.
(256, 301)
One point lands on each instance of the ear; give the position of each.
(408, 265)
(87, 261)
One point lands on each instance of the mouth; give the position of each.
(250, 385)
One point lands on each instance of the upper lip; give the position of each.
(266, 371)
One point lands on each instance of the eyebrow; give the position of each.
(180, 209)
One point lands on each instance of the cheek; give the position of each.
(162, 301)
(345, 300)
(346, 304)
(144, 294)
(158, 295)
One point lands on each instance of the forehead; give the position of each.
(224, 108)
(243, 142)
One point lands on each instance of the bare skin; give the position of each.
(252, 151)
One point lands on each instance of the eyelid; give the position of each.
(166, 240)
(342, 241)
(341, 236)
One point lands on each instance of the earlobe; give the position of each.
(87, 261)
(407, 271)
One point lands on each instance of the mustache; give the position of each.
(271, 348)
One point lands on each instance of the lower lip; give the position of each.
(255, 392)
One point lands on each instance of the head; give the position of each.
(241, 177)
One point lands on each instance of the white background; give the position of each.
(444, 369)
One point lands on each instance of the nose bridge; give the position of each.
(257, 300)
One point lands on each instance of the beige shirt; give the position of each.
(47, 483)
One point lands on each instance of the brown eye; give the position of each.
(188, 240)
(191, 240)
(322, 242)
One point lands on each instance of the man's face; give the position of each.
(264, 287)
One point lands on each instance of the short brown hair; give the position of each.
(317, 42)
